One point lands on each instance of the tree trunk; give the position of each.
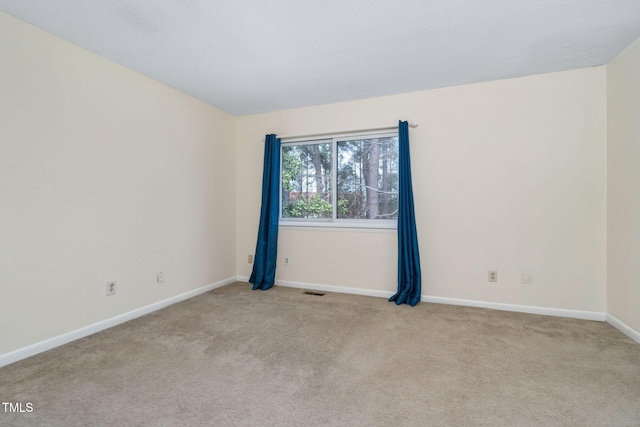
(385, 179)
(371, 175)
(317, 165)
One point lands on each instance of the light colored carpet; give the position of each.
(236, 357)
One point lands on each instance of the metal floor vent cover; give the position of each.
(318, 294)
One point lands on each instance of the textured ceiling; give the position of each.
(251, 56)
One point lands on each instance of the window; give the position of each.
(348, 180)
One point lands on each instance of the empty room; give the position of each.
(381, 213)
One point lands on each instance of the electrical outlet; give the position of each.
(287, 261)
(526, 278)
(493, 276)
(160, 277)
(111, 287)
(250, 259)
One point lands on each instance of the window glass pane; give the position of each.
(368, 178)
(306, 181)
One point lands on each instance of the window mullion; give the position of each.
(334, 178)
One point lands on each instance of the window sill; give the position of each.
(367, 225)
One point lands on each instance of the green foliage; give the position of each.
(292, 167)
(343, 208)
(309, 207)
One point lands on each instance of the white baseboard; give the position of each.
(531, 309)
(558, 312)
(32, 350)
(338, 289)
(625, 329)
(328, 288)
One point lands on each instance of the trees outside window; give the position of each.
(351, 179)
(306, 181)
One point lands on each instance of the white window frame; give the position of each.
(333, 222)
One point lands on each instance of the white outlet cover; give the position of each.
(112, 287)
(526, 278)
(160, 277)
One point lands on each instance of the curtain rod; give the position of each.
(309, 135)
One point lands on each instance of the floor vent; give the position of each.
(318, 294)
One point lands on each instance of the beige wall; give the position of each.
(624, 186)
(104, 175)
(108, 175)
(508, 175)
